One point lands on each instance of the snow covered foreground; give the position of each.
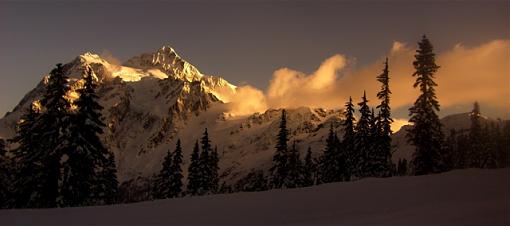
(463, 197)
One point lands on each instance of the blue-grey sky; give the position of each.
(244, 42)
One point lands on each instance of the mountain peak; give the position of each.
(168, 61)
(168, 49)
(89, 57)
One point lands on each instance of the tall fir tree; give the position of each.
(374, 164)
(330, 170)
(462, 149)
(161, 188)
(23, 165)
(425, 134)
(85, 153)
(214, 165)
(450, 151)
(488, 153)
(49, 130)
(176, 177)
(279, 170)
(309, 169)
(293, 178)
(169, 180)
(362, 138)
(477, 150)
(106, 190)
(349, 140)
(194, 173)
(384, 120)
(205, 164)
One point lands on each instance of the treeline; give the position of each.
(483, 145)
(202, 172)
(59, 160)
(363, 151)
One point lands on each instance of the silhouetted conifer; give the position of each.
(294, 167)
(349, 141)
(308, 171)
(41, 146)
(168, 183)
(279, 170)
(85, 159)
(383, 125)
(194, 173)
(330, 168)
(362, 138)
(425, 134)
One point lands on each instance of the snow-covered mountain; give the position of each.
(155, 98)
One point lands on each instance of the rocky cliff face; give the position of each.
(155, 98)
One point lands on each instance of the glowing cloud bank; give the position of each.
(467, 74)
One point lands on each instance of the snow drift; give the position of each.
(461, 197)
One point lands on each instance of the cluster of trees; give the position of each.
(288, 169)
(59, 160)
(481, 146)
(203, 169)
(364, 150)
(477, 147)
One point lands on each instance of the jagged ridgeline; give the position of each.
(153, 99)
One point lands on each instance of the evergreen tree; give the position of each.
(87, 162)
(194, 173)
(176, 176)
(169, 180)
(362, 139)
(384, 120)
(293, 178)
(161, 188)
(348, 140)
(330, 166)
(279, 170)
(375, 164)
(25, 168)
(488, 155)
(462, 150)
(476, 152)
(82, 150)
(205, 166)
(308, 171)
(106, 189)
(39, 158)
(214, 182)
(425, 134)
(450, 151)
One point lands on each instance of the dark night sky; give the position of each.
(244, 42)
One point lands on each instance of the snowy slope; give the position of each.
(155, 98)
(462, 197)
